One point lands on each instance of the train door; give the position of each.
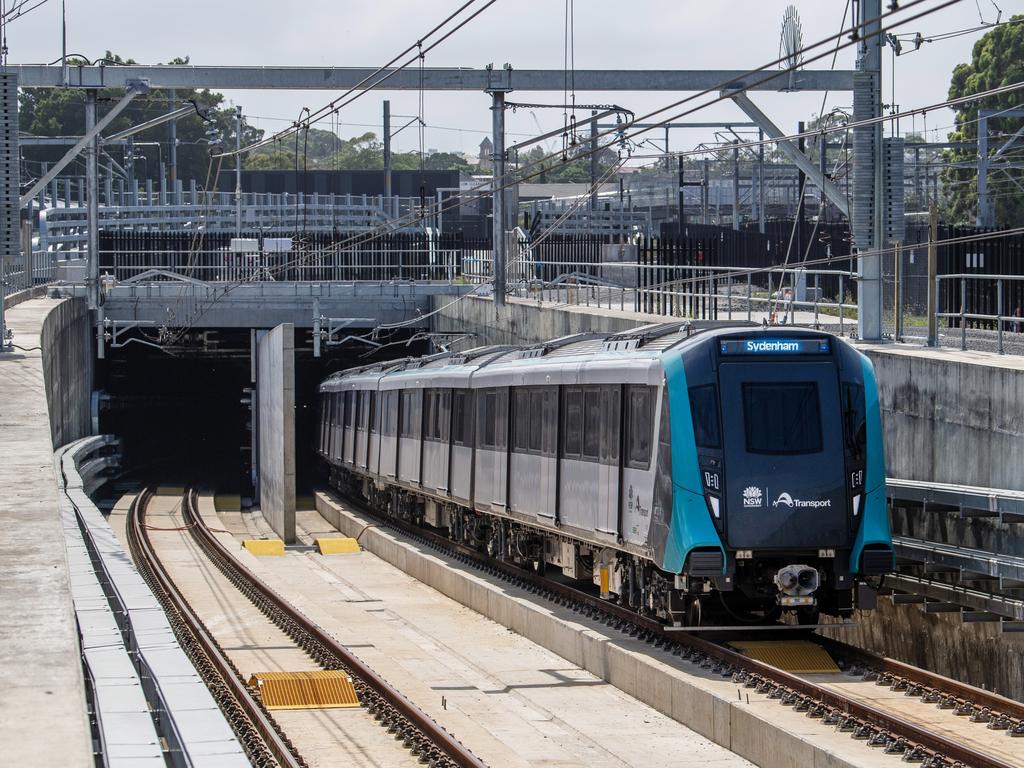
(373, 440)
(785, 475)
(607, 402)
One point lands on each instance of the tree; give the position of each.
(61, 112)
(997, 59)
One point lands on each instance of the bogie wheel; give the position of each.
(694, 613)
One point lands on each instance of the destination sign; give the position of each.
(775, 346)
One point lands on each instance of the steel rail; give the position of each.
(986, 706)
(260, 736)
(863, 719)
(375, 692)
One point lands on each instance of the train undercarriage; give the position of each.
(753, 595)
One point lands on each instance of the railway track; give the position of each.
(263, 740)
(885, 730)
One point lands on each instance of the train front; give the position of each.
(776, 442)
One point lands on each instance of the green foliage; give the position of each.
(563, 168)
(324, 150)
(997, 60)
(61, 112)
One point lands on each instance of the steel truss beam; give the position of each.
(798, 158)
(434, 78)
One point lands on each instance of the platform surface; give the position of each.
(42, 708)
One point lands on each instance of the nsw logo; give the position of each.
(752, 496)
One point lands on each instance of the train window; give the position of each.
(704, 409)
(487, 408)
(350, 408)
(610, 429)
(855, 423)
(391, 413)
(410, 413)
(782, 418)
(640, 424)
(549, 440)
(445, 415)
(430, 414)
(371, 402)
(592, 424)
(536, 419)
(572, 424)
(462, 417)
(521, 423)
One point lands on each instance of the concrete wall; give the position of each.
(954, 417)
(524, 322)
(275, 404)
(68, 354)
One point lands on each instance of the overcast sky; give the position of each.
(644, 34)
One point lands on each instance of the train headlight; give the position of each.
(714, 506)
(856, 504)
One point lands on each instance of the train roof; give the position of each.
(633, 356)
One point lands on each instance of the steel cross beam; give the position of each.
(433, 78)
(798, 158)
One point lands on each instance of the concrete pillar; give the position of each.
(275, 405)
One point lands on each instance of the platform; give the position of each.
(42, 710)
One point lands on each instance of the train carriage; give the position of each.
(672, 467)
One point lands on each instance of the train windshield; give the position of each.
(782, 418)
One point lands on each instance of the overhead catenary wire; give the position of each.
(488, 188)
(385, 70)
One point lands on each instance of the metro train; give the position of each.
(736, 469)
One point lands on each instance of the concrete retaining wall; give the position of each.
(275, 403)
(68, 353)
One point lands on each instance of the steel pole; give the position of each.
(761, 205)
(498, 197)
(735, 186)
(92, 154)
(238, 171)
(868, 193)
(172, 141)
(387, 151)
(933, 270)
(593, 160)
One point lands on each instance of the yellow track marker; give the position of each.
(323, 689)
(801, 656)
(264, 546)
(337, 546)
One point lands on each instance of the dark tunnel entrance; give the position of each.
(183, 413)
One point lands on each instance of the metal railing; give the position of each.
(20, 274)
(66, 227)
(999, 321)
(326, 264)
(780, 294)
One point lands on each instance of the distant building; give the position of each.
(485, 159)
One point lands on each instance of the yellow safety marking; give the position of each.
(227, 502)
(337, 546)
(323, 689)
(264, 546)
(788, 655)
(171, 490)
